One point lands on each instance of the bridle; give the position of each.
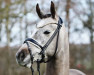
(43, 48)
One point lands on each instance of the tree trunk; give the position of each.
(0, 31)
(68, 2)
(20, 30)
(7, 32)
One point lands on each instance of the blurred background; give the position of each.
(17, 21)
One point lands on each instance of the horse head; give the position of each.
(45, 28)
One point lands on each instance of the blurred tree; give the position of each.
(0, 21)
(90, 25)
(67, 8)
(0, 33)
(26, 26)
(7, 15)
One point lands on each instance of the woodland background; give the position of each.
(17, 20)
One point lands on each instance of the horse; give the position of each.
(49, 44)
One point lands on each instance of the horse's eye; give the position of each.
(46, 32)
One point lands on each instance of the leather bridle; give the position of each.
(43, 48)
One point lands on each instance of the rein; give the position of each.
(43, 48)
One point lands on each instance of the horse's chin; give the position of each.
(28, 65)
(23, 64)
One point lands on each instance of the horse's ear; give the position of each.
(52, 9)
(40, 14)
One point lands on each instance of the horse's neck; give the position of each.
(60, 64)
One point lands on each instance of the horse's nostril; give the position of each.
(21, 55)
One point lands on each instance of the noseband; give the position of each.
(43, 48)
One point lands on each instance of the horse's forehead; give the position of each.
(46, 21)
